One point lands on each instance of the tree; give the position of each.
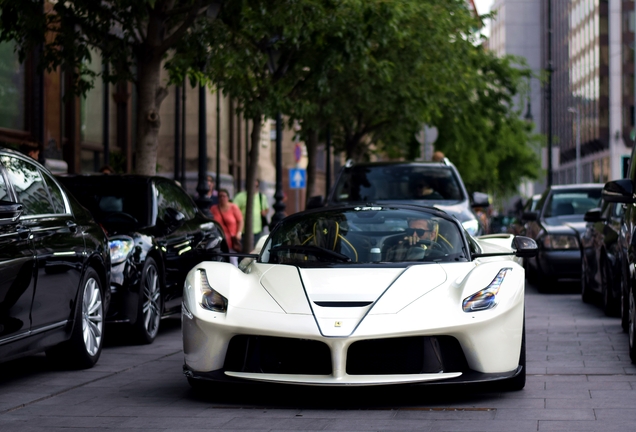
(383, 69)
(255, 57)
(482, 131)
(134, 36)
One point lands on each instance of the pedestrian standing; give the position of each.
(229, 216)
(261, 209)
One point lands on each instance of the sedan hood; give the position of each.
(565, 224)
(340, 298)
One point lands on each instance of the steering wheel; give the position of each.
(120, 217)
(432, 245)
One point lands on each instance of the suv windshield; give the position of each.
(572, 202)
(398, 182)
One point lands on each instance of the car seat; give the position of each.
(327, 234)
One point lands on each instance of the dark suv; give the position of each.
(435, 184)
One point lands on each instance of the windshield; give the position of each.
(365, 235)
(572, 202)
(113, 202)
(399, 182)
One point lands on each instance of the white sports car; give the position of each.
(358, 296)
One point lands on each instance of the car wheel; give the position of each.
(624, 306)
(586, 293)
(610, 308)
(519, 382)
(84, 347)
(632, 326)
(150, 304)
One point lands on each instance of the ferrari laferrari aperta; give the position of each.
(359, 296)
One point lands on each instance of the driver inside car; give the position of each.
(420, 235)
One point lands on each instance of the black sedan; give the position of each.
(556, 226)
(54, 268)
(601, 257)
(157, 234)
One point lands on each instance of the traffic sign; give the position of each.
(298, 152)
(297, 178)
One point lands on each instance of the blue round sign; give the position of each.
(297, 152)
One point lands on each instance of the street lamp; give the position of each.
(279, 206)
(576, 111)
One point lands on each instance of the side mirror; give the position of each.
(173, 217)
(10, 212)
(619, 191)
(530, 216)
(593, 215)
(525, 246)
(480, 199)
(315, 202)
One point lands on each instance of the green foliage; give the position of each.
(481, 130)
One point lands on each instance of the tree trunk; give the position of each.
(150, 96)
(312, 148)
(252, 169)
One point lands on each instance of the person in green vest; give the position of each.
(261, 208)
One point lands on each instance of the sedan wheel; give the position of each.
(150, 303)
(92, 317)
(586, 293)
(84, 347)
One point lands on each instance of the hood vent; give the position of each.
(342, 304)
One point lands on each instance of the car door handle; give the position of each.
(71, 225)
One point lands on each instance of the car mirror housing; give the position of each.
(10, 212)
(525, 246)
(480, 199)
(619, 191)
(593, 215)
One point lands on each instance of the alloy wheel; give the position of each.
(151, 308)
(92, 317)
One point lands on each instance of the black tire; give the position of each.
(632, 325)
(624, 305)
(610, 305)
(150, 306)
(84, 347)
(587, 295)
(518, 382)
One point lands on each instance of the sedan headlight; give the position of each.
(210, 299)
(120, 249)
(486, 298)
(551, 241)
(472, 226)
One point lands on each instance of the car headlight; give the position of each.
(120, 249)
(472, 226)
(486, 298)
(210, 299)
(560, 242)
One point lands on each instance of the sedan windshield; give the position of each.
(365, 235)
(572, 202)
(399, 182)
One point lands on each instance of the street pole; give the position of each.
(578, 146)
(549, 92)
(577, 172)
(279, 205)
(203, 201)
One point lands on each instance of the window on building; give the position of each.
(12, 88)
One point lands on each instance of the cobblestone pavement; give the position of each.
(580, 378)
